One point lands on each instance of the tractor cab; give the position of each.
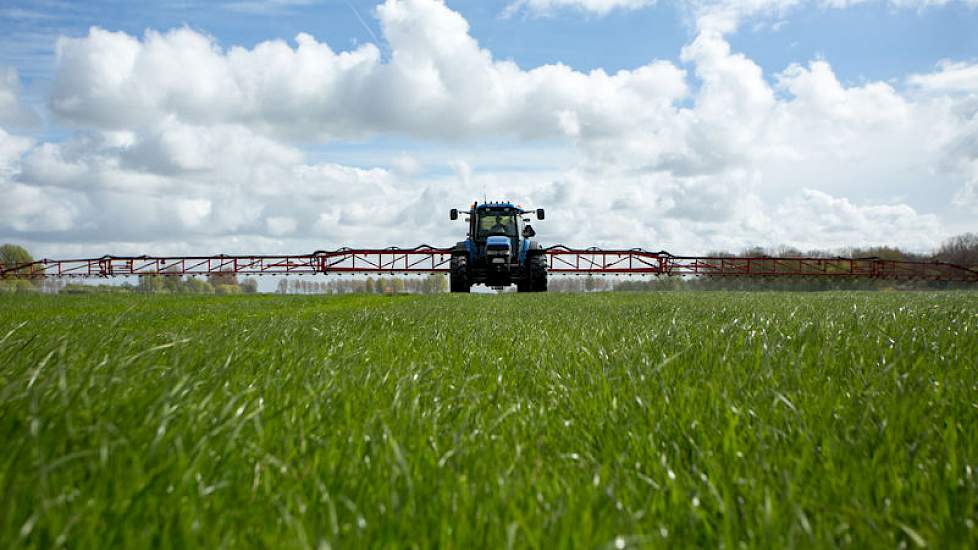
(498, 250)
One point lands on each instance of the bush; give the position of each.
(24, 286)
(249, 286)
(227, 289)
(199, 286)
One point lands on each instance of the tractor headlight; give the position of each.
(497, 255)
(498, 250)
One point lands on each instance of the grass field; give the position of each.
(600, 420)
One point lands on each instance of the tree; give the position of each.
(753, 252)
(249, 286)
(960, 250)
(227, 289)
(173, 283)
(441, 282)
(589, 283)
(12, 254)
(222, 278)
(882, 252)
(199, 286)
(784, 251)
(52, 286)
(150, 283)
(397, 285)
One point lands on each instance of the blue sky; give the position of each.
(869, 41)
(700, 124)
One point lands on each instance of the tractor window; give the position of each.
(492, 223)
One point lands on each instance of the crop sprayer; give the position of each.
(497, 252)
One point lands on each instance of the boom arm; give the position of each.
(428, 259)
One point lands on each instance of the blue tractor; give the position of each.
(498, 251)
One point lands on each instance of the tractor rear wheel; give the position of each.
(459, 275)
(538, 274)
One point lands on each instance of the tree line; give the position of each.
(432, 284)
(960, 250)
(216, 283)
(145, 284)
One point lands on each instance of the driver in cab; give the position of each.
(501, 227)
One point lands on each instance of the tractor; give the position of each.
(498, 251)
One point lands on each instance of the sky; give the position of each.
(287, 126)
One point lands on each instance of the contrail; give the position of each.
(364, 23)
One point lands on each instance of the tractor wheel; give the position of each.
(523, 286)
(538, 274)
(459, 276)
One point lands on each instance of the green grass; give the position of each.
(690, 419)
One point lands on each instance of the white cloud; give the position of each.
(438, 83)
(11, 149)
(967, 196)
(185, 146)
(191, 213)
(716, 15)
(281, 225)
(950, 77)
(463, 171)
(725, 15)
(13, 113)
(549, 7)
(266, 7)
(818, 218)
(30, 209)
(406, 165)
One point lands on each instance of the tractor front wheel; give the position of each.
(538, 274)
(459, 275)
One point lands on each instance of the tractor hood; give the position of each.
(498, 242)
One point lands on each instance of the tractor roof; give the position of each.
(497, 205)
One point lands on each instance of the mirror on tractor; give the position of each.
(528, 232)
(453, 214)
(539, 213)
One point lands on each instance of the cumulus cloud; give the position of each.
(406, 165)
(183, 145)
(281, 225)
(967, 197)
(233, 182)
(438, 83)
(819, 218)
(963, 159)
(950, 77)
(717, 15)
(11, 149)
(26, 207)
(13, 112)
